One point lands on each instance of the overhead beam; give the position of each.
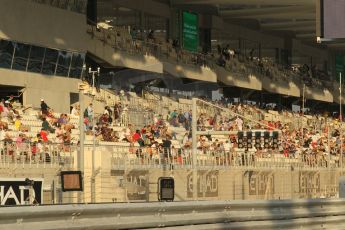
(288, 24)
(266, 11)
(246, 2)
(147, 6)
(302, 29)
(291, 15)
(309, 35)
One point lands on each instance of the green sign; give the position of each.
(190, 32)
(339, 67)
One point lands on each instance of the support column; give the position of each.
(81, 142)
(194, 149)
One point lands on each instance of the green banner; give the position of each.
(190, 32)
(339, 67)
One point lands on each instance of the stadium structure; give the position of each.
(233, 99)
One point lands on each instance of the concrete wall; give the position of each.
(249, 82)
(320, 95)
(42, 25)
(55, 90)
(190, 71)
(280, 86)
(336, 94)
(121, 58)
(227, 184)
(128, 183)
(124, 183)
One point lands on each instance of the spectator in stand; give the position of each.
(166, 147)
(6, 111)
(17, 123)
(62, 119)
(226, 52)
(2, 105)
(75, 110)
(150, 36)
(181, 118)
(122, 96)
(106, 116)
(59, 135)
(44, 107)
(133, 33)
(46, 126)
(188, 120)
(239, 123)
(136, 136)
(44, 135)
(117, 112)
(186, 141)
(89, 112)
(173, 118)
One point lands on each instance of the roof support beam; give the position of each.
(266, 11)
(246, 2)
(309, 35)
(287, 25)
(290, 15)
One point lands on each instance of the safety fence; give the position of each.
(33, 154)
(278, 214)
(159, 157)
(53, 154)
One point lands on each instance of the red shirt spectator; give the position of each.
(136, 136)
(44, 135)
(271, 126)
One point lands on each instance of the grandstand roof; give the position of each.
(295, 17)
(292, 18)
(284, 16)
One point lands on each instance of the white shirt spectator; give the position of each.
(239, 123)
(75, 111)
(90, 111)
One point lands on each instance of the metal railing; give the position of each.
(36, 155)
(179, 158)
(53, 154)
(279, 214)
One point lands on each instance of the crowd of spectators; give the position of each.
(315, 142)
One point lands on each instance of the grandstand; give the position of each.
(235, 107)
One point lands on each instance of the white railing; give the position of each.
(175, 158)
(52, 154)
(34, 155)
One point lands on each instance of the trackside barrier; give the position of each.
(280, 214)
